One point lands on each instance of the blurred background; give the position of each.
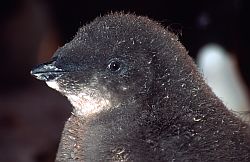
(216, 34)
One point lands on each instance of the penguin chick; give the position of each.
(138, 96)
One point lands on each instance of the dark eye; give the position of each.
(114, 65)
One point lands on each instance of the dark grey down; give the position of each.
(166, 112)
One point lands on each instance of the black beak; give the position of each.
(46, 72)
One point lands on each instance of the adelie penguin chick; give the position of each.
(138, 96)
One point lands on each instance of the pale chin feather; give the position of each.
(53, 85)
(86, 105)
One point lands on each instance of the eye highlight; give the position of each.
(114, 65)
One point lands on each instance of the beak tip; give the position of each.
(32, 72)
